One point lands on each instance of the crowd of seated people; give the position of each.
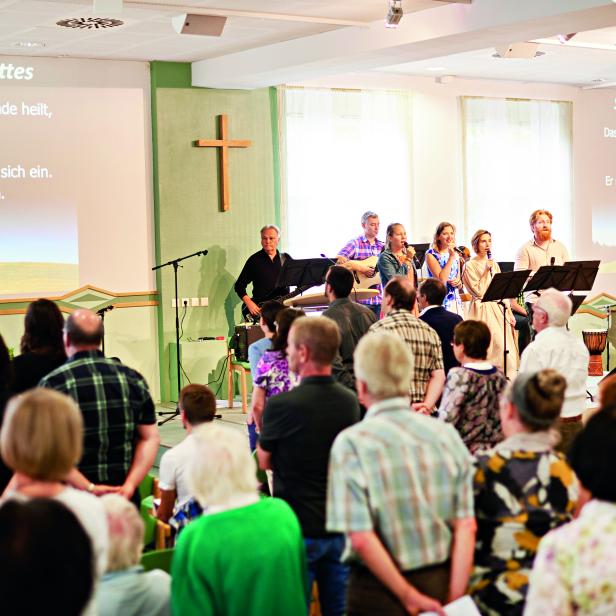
(423, 504)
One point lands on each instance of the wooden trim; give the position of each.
(88, 287)
(592, 311)
(599, 296)
(135, 304)
(68, 310)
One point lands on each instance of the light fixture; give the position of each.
(518, 51)
(565, 38)
(394, 14)
(28, 44)
(202, 25)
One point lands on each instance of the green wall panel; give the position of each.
(188, 212)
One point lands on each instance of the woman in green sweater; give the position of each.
(244, 556)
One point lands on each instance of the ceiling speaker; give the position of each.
(202, 25)
(518, 50)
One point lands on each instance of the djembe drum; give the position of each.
(595, 341)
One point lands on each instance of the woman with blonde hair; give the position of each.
(523, 489)
(443, 262)
(397, 257)
(41, 442)
(477, 277)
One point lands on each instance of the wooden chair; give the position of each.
(243, 369)
(158, 559)
(157, 532)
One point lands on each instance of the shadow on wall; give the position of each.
(216, 283)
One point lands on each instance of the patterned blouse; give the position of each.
(523, 489)
(452, 301)
(575, 568)
(471, 403)
(273, 374)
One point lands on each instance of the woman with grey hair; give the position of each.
(523, 489)
(126, 588)
(244, 556)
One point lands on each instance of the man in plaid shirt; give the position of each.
(400, 488)
(428, 377)
(119, 420)
(363, 247)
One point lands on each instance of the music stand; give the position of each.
(303, 273)
(581, 276)
(576, 302)
(548, 276)
(507, 285)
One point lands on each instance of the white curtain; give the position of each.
(517, 158)
(344, 152)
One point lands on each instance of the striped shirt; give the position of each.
(359, 249)
(423, 342)
(406, 477)
(113, 399)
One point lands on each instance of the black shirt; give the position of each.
(443, 322)
(299, 428)
(30, 368)
(263, 273)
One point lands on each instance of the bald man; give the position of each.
(120, 434)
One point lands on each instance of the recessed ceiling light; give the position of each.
(435, 68)
(28, 44)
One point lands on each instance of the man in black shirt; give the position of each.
(299, 428)
(262, 270)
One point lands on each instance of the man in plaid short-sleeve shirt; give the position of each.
(119, 421)
(363, 247)
(428, 377)
(400, 488)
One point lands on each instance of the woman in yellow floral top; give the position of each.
(523, 489)
(575, 568)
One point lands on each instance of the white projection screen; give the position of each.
(75, 176)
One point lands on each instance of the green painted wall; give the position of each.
(188, 216)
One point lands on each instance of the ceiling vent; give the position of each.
(90, 23)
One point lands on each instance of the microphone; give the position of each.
(552, 261)
(489, 255)
(102, 311)
(328, 258)
(211, 338)
(415, 259)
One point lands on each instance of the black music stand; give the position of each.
(582, 275)
(303, 273)
(547, 277)
(576, 302)
(504, 286)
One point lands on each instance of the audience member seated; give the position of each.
(575, 567)
(556, 347)
(523, 489)
(42, 441)
(430, 297)
(197, 405)
(244, 556)
(126, 589)
(272, 375)
(42, 349)
(267, 323)
(46, 563)
(472, 392)
(6, 378)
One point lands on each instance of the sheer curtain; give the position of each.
(344, 152)
(517, 158)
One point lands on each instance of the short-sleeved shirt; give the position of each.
(299, 428)
(531, 256)
(273, 374)
(423, 342)
(359, 249)
(114, 400)
(405, 476)
(174, 469)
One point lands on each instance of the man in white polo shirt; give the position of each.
(197, 405)
(556, 347)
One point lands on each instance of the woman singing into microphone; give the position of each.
(477, 277)
(444, 263)
(397, 257)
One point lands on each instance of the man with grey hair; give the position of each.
(299, 427)
(400, 487)
(557, 348)
(361, 248)
(120, 434)
(262, 269)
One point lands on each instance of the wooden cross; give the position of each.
(224, 144)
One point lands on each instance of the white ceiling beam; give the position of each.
(218, 12)
(453, 28)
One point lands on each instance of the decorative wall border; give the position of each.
(87, 296)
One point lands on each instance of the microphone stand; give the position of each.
(175, 263)
(101, 314)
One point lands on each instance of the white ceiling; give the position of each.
(456, 39)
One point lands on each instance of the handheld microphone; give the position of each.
(489, 255)
(552, 261)
(415, 259)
